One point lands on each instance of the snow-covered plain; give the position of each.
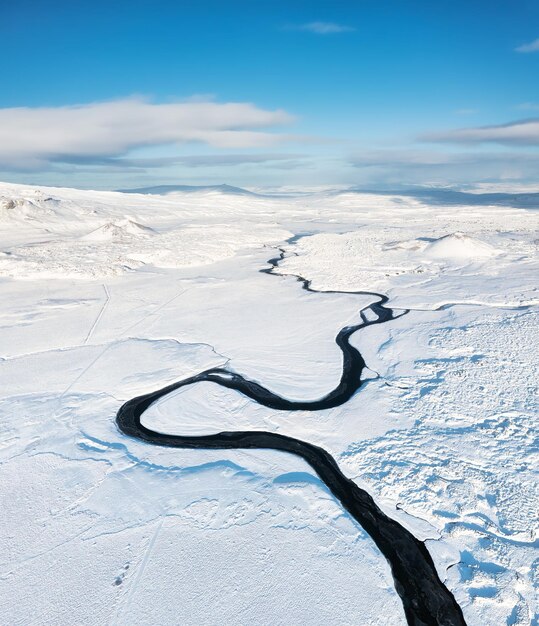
(106, 296)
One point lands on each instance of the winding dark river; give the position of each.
(426, 600)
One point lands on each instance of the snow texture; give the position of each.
(109, 295)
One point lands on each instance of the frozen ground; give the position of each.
(106, 296)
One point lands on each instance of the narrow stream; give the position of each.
(426, 600)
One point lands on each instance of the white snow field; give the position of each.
(106, 296)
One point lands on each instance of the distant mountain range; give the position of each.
(164, 189)
(435, 196)
(450, 196)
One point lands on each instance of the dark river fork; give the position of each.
(426, 600)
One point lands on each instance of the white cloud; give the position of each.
(31, 138)
(325, 28)
(522, 132)
(533, 46)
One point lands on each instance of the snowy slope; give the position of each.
(109, 295)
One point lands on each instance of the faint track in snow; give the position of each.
(152, 313)
(123, 608)
(99, 315)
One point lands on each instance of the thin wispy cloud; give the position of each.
(31, 138)
(190, 161)
(407, 167)
(528, 106)
(533, 46)
(522, 132)
(324, 28)
(226, 160)
(412, 158)
(401, 158)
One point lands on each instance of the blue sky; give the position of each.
(360, 92)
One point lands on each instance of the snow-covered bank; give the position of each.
(135, 534)
(458, 260)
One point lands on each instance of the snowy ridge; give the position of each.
(114, 231)
(459, 246)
